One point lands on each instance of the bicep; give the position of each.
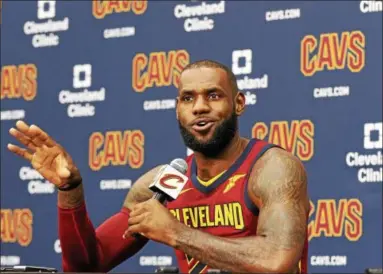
(280, 184)
(284, 225)
(283, 228)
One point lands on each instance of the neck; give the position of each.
(207, 167)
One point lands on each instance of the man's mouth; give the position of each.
(202, 126)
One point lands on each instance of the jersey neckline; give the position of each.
(225, 176)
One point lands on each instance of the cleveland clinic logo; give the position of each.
(198, 15)
(370, 162)
(36, 183)
(371, 129)
(44, 31)
(79, 102)
(242, 66)
(371, 6)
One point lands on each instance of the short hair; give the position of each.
(214, 64)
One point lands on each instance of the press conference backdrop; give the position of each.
(101, 78)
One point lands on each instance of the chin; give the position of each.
(204, 139)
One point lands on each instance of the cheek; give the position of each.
(223, 110)
(183, 115)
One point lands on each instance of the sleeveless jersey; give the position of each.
(222, 208)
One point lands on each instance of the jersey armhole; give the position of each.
(249, 203)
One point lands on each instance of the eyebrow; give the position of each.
(209, 89)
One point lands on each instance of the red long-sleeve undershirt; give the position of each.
(86, 249)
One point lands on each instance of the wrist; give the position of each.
(71, 198)
(70, 186)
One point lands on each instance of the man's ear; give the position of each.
(240, 103)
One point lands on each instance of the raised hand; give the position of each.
(46, 156)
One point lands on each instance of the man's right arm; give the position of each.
(85, 248)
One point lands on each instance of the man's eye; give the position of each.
(213, 95)
(187, 98)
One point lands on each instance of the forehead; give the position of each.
(203, 78)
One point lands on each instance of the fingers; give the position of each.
(42, 136)
(136, 220)
(26, 141)
(134, 229)
(138, 210)
(20, 151)
(25, 129)
(37, 136)
(22, 126)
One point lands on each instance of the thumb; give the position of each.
(62, 167)
(63, 172)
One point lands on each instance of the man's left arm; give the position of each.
(278, 185)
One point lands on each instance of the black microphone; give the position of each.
(28, 268)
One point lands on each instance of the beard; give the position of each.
(222, 136)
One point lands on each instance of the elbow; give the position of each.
(280, 269)
(281, 265)
(272, 269)
(277, 265)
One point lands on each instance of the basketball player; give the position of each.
(244, 208)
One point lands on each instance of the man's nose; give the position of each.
(200, 106)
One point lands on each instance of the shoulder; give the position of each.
(140, 191)
(277, 159)
(278, 173)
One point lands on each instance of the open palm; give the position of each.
(45, 155)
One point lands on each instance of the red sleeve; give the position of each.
(85, 249)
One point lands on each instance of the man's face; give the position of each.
(206, 110)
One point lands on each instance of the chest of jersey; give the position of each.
(221, 211)
(223, 207)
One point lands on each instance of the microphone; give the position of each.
(168, 183)
(28, 268)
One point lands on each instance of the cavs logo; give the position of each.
(116, 148)
(19, 82)
(164, 181)
(332, 218)
(296, 136)
(158, 69)
(101, 8)
(333, 51)
(16, 226)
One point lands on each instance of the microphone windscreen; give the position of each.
(180, 165)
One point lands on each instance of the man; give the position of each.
(244, 208)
